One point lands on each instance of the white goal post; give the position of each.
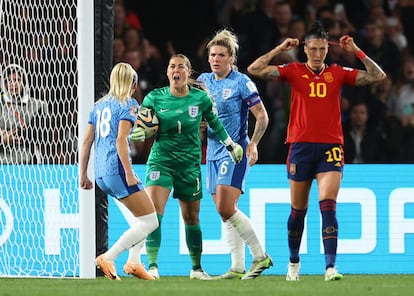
(47, 225)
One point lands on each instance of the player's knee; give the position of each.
(147, 223)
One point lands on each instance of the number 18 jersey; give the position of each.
(105, 117)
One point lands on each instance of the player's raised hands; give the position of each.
(348, 44)
(288, 44)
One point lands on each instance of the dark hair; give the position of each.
(316, 31)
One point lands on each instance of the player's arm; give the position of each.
(260, 67)
(85, 182)
(373, 71)
(235, 150)
(372, 74)
(262, 121)
(122, 143)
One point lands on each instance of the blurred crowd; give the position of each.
(378, 120)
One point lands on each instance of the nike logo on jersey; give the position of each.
(163, 110)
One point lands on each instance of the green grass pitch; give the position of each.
(350, 285)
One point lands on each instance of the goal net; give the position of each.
(39, 208)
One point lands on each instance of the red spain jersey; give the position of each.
(315, 112)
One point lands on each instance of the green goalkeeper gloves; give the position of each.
(138, 134)
(235, 152)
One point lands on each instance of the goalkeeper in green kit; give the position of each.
(175, 157)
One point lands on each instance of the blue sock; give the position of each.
(295, 226)
(329, 230)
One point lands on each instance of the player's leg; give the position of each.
(136, 199)
(188, 189)
(296, 221)
(230, 185)
(234, 240)
(137, 205)
(134, 266)
(159, 196)
(328, 184)
(329, 176)
(300, 174)
(237, 252)
(159, 182)
(226, 202)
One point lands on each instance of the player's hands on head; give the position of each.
(138, 134)
(289, 43)
(347, 43)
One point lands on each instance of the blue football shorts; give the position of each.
(117, 186)
(305, 160)
(225, 172)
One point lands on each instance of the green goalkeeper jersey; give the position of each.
(177, 144)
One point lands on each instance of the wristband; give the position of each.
(360, 54)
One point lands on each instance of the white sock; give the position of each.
(237, 248)
(139, 230)
(134, 254)
(244, 227)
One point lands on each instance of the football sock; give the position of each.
(329, 230)
(134, 254)
(194, 242)
(245, 229)
(153, 244)
(237, 248)
(295, 227)
(138, 231)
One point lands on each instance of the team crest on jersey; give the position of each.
(292, 168)
(328, 76)
(226, 93)
(193, 111)
(154, 175)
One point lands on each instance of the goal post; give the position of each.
(47, 225)
(85, 14)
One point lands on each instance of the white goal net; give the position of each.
(39, 209)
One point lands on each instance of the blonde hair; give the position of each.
(122, 80)
(227, 39)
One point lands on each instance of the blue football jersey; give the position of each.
(232, 96)
(105, 117)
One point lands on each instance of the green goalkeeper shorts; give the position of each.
(186, 184)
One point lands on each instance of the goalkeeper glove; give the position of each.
(138, 134)
(235, 150)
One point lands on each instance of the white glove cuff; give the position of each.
(228, 142)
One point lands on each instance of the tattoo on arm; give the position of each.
(271, 73)
(262, 121)
(261, 68)
(372, 74)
